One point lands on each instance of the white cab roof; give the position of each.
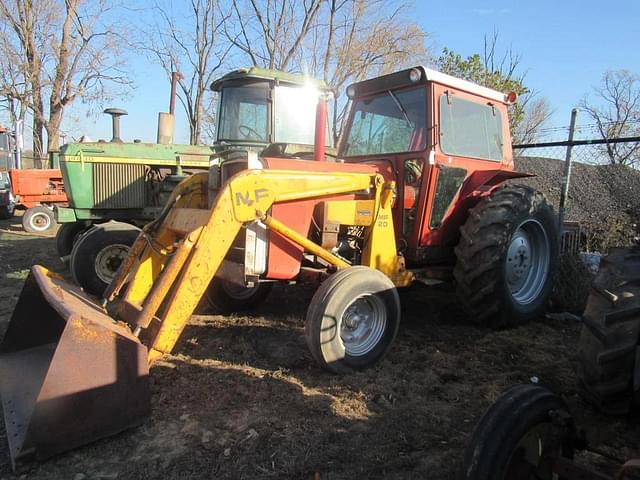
(444, 79)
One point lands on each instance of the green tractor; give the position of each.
(115, 187)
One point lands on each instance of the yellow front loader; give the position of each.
(74, 369)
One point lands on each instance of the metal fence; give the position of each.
(576, 237)
(594, 151)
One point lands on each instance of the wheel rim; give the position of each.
(363, 325)
(526, 461)
(239, 292)
(108, 261)
(40, 221)
(527, 263)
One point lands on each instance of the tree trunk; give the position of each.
(38, 139)
(53, 130)
(38, 116)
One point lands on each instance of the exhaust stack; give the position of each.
(166, 121)
(115, 113)
(321, 129)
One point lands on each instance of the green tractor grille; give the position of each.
(118, 185)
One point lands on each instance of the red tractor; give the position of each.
(446, 143)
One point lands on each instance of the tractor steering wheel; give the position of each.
(249, 133)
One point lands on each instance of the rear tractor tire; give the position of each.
(98, 253)
(66, 237)
(506, 256)
(38, 219)
(223, 297)
(512, 438)
(609, 347)
(352, 320)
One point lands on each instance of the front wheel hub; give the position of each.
(108, 261)
(40, 221)
(363, 325)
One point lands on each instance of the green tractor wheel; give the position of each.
(98, 253)
(67, 236)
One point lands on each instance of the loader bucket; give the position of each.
(69, 374)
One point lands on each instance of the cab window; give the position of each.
(470, 129)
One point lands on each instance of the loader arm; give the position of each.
(172, 264)
(74, 370)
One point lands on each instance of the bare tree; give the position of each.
(270, 32)
(340, 41)
(536, 112)
(14, 89)
(364, 39)
(191, 46)
(65, 51)
(616, 113)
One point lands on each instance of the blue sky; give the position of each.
(565, 48)
(565, 45)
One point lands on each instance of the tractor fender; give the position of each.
(483, 182)
(475, 187)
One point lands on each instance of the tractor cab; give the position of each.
(261, 109)
(435, 136)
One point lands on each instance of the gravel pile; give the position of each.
(605, 199)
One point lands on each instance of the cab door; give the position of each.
(469, 135)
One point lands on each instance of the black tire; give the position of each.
(520, 418)
(66, 237)
(506, 256)
(609, 347)
(38, 219)
(6, 212)
(98, 253)
(224, 298)
(327, 333)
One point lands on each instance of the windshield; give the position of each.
(295, 115)
(244, 113)
(391, 122)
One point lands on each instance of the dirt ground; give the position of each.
(241, 397)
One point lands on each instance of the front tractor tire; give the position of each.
(98, 253)
(224, 297)
(518, 436)
(506, 255)
(352, 320)
(67, 236)
(38, 219)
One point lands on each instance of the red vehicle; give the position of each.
(37, 190)
(33, 189)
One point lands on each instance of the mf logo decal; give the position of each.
(248, 198)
